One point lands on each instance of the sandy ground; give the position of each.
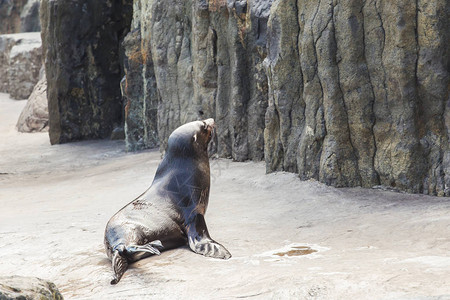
(343, 243)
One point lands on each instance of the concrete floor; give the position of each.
(289, 239)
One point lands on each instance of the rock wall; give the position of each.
(19, 16)
(354, 93)
(81, 43)
(188, 60)
(350, 93)
(29, 17)
(372, 103)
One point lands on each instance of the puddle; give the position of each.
(297, 251)
(294, 250)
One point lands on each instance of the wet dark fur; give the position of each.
(171, 212)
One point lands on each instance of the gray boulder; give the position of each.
(27, 288)
(34, 116)
(20, 62)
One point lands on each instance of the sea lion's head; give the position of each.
(192, 137)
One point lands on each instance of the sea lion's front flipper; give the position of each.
(200, 242)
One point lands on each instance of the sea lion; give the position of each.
(171, 212)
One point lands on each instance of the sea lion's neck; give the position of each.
(195, 168)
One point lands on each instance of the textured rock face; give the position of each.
(19, 16)
(29, 17)
(198, 59)
(29, 288)
(82, 47)
(371, 105)
(10, 16)
(20, 62)
(140, 94)
(354, 93)
(34, 116)
(350, 93)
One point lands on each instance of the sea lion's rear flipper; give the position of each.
(122, 254)
(200, 242)
(119, 265)
(151, 247)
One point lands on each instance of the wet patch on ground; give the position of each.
(297, 251)
(294, 250)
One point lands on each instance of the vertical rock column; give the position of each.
(198, 59)
(284, 119)
(81, 41)
(372, 92)
(433, 91)
(139, 84)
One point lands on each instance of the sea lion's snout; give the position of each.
(209, 123)
(208, 127)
